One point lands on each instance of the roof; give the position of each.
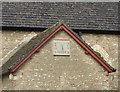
(23, 54)
(77, 15)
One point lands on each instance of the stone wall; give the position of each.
(75, 72)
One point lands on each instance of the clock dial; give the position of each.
(61, 47)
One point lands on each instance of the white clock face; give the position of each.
(61, 46)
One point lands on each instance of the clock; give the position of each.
(61, 46)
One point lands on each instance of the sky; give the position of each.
(60, 0)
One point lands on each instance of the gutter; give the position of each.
(93, 31)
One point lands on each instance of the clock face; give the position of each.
(61, 46)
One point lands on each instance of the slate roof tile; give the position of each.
(80, 15)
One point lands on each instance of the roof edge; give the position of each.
(88, 31)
